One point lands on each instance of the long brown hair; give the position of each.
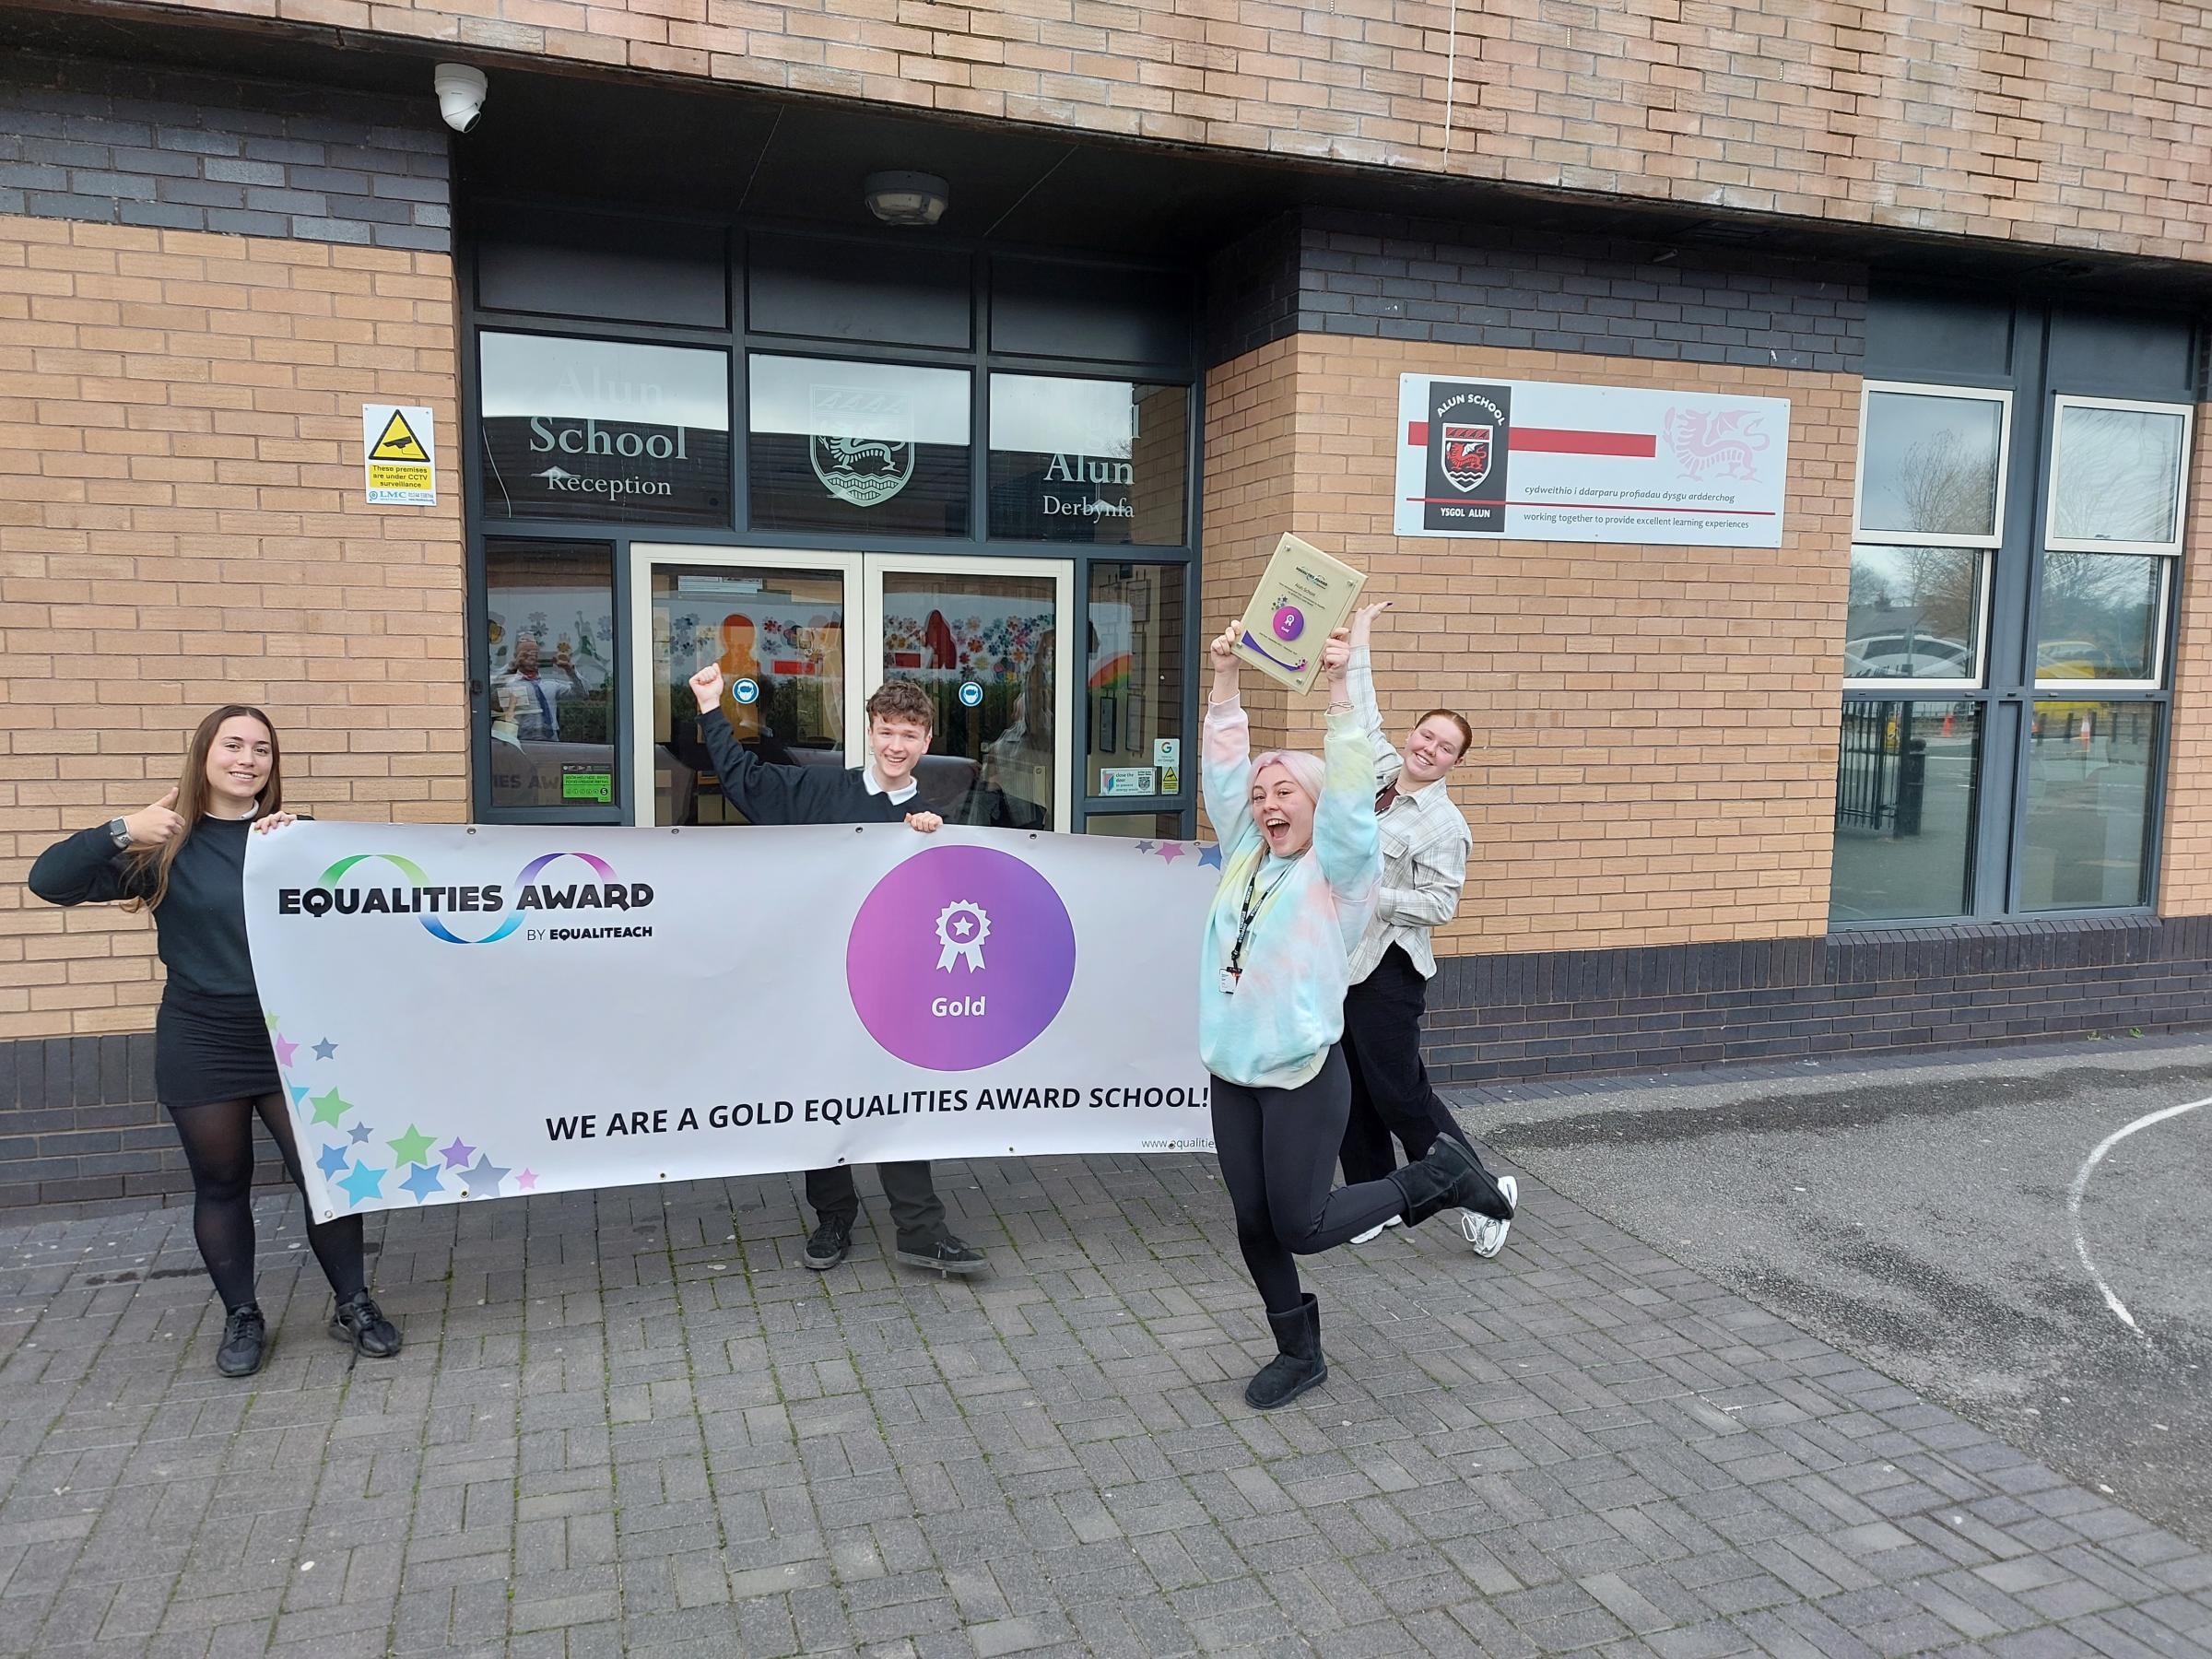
(192, 801)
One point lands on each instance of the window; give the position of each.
(602, 431)
(1931, 476)
(1088, 461)
(549, 639)
(1135, 680)
(2012, 572)
(858, 447)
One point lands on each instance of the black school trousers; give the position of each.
(916, 1210)
(1391, 1091)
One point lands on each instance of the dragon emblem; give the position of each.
(1716, 443)
(863, 445)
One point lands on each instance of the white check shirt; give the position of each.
(1425, 845)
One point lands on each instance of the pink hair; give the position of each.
(1306, 771)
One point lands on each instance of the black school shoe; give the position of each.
(829, 1244)
(362, 1323)
(944, 1253)
(1298, 1364)
(245, 1340)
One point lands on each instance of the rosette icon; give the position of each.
(962, 927)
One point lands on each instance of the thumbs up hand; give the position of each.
(157, 825)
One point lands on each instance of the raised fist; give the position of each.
(706, 685)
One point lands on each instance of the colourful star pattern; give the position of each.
(333, 1159)
(365, 1183)
(413, 1148)
(326, 1049)
(456, 1154)
(422, 1180)
(1210, 858)
(285, 1050)
(1169, 852)
(484, 1180)
(298, 1094)
(330, 1107)
(359, 1134)
(1146, 846)
(527, 1181)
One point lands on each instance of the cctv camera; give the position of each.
(460, 95)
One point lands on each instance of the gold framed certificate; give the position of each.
(1304, 596)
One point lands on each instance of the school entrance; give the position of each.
(803, 638)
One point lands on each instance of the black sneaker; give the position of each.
(830, 1244)
(245, 1339)
(362, 1323)
(945, 1254)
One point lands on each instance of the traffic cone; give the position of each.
(1946, 722)
(2088, 728)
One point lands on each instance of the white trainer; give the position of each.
(1486, 1235)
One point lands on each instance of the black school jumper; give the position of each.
(815, 794)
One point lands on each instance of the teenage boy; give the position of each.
(900, 721)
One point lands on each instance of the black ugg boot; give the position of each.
(1450, 1178)
(1297, 1366)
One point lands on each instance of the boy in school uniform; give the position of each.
(882, 791)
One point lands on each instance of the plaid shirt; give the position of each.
(1425, 843)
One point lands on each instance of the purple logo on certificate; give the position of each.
(959, 958)
(1290, 622)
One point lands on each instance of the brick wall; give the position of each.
(2185, 849)
(1393, 278)
(2063, 123)
(1654, 727)
(111, 144)
(182, 523)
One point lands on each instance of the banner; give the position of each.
(1547, 461)
(475, 1013)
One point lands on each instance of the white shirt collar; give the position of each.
(875, 787)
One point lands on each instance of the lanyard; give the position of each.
(1251, 909)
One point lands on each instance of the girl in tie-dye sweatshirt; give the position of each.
(1300, 862)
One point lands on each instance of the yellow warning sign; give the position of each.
(398, 441)
(399, 456)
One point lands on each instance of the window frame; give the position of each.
(2001, 397)
(2063, 401)
(2161, 635)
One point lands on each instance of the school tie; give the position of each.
(1384, 796)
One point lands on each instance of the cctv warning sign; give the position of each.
(399, 456)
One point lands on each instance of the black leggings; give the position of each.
(218, 1144)
(1278, 1148)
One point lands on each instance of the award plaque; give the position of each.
(1304, 596)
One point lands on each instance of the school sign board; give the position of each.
(462, 1014)
(1543, 461)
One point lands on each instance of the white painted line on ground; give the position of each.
(2081, 1183)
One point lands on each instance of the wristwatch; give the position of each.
(119, 833)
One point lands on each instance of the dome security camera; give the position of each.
(461, 91)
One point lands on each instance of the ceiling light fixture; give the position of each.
(906, 199)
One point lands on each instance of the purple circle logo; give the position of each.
(959, 958)
(1290, 622)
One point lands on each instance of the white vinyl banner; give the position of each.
(1547, 461)
(473, 1013)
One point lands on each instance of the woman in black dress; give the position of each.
(183, 859)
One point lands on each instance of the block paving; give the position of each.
(631, 1422)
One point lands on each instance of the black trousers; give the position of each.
(1391, 1092)
(916, 1209)
(1278, 1148)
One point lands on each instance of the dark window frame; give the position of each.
(2011, 620)
(739, 339)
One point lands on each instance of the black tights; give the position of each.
(1278, 1148)
(218, 1144)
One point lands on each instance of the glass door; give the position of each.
(778, 624)
(804, 638)
(990, 640)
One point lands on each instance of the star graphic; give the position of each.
(326, 1049)
(422, 1180)
(269, 1020)
(285, 1050)
(414, 1147)
(1209, 858)
(963, 927)
(332, 1160)
(365, 1183)
(1146, 846)
(457, 1153)
(298, 1093)
(484, 1180)
(330, 1107)
(527, 1181)
(360, 1134)
(1169, 852)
